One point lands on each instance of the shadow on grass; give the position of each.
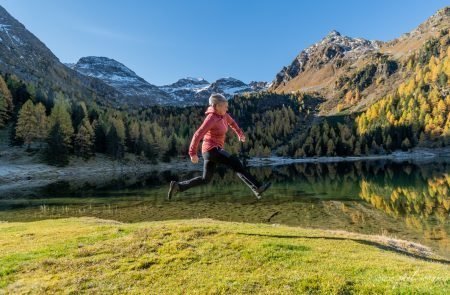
(370, 243)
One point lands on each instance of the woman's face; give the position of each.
(222, 108)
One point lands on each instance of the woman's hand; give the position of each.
(242, 138)
(194, 159)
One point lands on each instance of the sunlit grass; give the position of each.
(204, 256)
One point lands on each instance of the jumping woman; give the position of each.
(212, 131)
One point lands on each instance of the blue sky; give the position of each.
(163, 41)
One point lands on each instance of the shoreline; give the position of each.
(21, 172)
(418, 155)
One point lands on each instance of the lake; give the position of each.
(403, 200)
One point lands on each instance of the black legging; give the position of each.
(211, 159)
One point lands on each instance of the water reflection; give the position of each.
(403, 200)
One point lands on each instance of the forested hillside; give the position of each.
(386, 104)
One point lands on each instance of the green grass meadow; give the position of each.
(204, 256)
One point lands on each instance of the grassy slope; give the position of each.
(203, 256)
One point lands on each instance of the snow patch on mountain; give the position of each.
(197, 90)
(186, 91)
(134, 89)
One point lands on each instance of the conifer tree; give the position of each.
(57, 151)
(31, 123)
(116, 139)
(100, 144)
(330, 148)
(79, 112)
(406, 144)
(132, 137)
(6, 103)
(60, 115)
(26, 123)
(4, 112)
(59, 139)
(84, 140)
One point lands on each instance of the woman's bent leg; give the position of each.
(208, 171)
(232, 161)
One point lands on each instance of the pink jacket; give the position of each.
(213, 130)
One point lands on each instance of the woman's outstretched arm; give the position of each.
(235, 127)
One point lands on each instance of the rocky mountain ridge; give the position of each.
(135, 90)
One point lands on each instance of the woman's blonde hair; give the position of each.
(216, 98)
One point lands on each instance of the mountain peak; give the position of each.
(196, 91)
(127, 82)
(229, 80)
(439, 21)
(194, 79)
(333, 33)
(445, 12)
(350, 43)
(105, 63)
(441, 17)
(329, 50)
(186, 83)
